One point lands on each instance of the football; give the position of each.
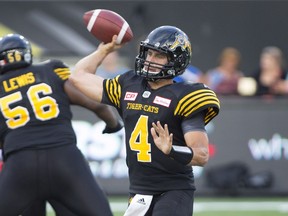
(103, 24)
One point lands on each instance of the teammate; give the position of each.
(164, 121)
(42, 161)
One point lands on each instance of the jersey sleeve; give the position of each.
(197, 98)
(60, 69)
(112, 91)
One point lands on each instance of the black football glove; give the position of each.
(109, 130)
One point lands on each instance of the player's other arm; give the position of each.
(194, 153)
(196, 139)
(198, 142)
(84, 77)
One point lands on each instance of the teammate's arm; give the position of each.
(104, 112)
(84, 75)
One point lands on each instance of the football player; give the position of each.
(164, 121)
(41, 159)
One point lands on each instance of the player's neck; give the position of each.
(160, 83)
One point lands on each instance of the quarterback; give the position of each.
(164, 121)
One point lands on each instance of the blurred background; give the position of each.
(56, 27)
(239, 50)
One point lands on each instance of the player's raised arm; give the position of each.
(90, 63)
(84, 77)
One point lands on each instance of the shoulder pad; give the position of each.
(195, 98)
(60, 69)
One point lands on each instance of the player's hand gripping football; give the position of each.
(162, 138)
(110, 47)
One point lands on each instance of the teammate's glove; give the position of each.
(109, 130)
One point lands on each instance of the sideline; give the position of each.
(280, 206)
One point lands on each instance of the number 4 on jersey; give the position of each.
(139, 140)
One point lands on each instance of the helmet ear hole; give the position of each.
(28, 57)
(172, 41)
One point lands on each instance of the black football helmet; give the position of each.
(15, 52)
(171, 41)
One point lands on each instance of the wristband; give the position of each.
(182, 154)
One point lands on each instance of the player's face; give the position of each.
(156, 57)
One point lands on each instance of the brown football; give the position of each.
(103, 24)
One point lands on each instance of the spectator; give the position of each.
(271, 76)
(224, 78)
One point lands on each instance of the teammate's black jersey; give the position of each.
(34, 109)
(150, 170)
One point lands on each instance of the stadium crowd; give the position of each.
(270, 79)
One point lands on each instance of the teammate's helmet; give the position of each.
(15, 52)
(171, 41)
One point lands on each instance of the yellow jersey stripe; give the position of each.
(107, 90)
(210, 114)
(201, 105)
(195, 104)
(185, 101)
(210, 118)
(114, 91)
(63, 73)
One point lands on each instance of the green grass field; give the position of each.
(221, 206)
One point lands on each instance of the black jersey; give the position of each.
(150, 170)
(35, 111)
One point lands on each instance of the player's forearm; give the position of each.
(89, 84)
(200, 157)
(90, 63)
(198, 141)
(107, 114)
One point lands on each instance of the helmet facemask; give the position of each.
(147, 68)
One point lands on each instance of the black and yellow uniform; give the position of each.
(42, 160)
(35, 111)
(152, 172)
